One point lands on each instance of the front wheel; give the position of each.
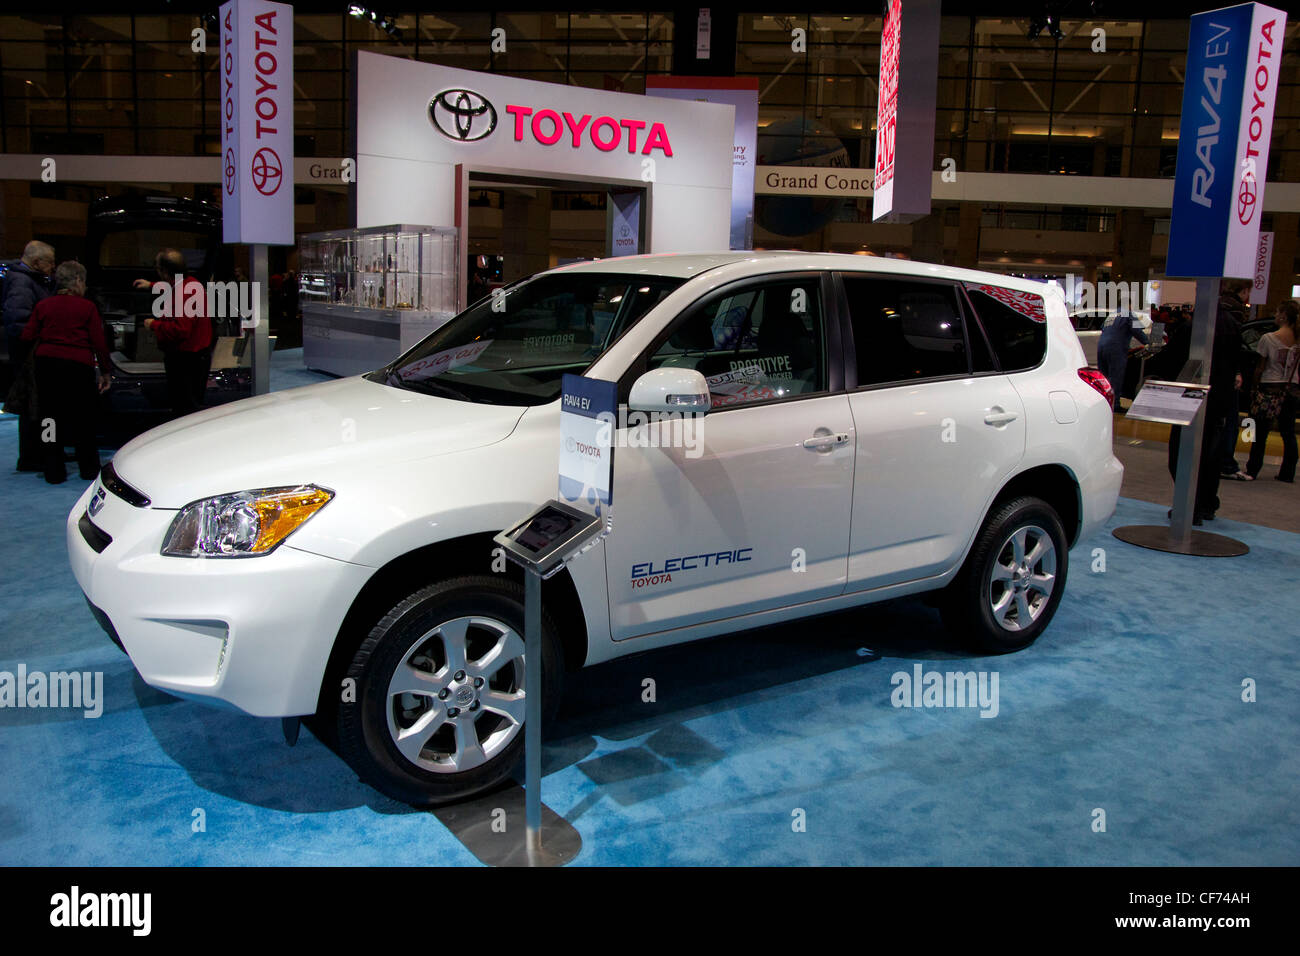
(1012, 581)
(439, 687)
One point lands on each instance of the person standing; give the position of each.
(1232, 299)
(68, 334)
(185, 336)
(25, 285)
(1276, 393)
(1112, 348)
(1219, 404)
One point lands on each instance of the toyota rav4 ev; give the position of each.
(861, 429)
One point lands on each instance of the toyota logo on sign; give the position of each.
(462, 115)
(1246, 194)
(229, 172)
(266, 171)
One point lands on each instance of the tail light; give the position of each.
(1098, 381)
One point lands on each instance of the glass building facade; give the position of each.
(1102, 99)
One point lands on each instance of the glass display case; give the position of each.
(369, 294)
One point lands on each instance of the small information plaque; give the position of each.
(1170, 403)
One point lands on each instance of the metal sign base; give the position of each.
(1159, 537)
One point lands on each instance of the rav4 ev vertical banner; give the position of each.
(256, 75)
(1233, 60)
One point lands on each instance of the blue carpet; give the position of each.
(1131, 703)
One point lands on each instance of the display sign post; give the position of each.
(541, 543)
(1234, 57)
(255, 74)
(1183, 405)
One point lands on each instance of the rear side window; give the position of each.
(1016, 323)
(904, 330)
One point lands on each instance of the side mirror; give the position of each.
(681, 390)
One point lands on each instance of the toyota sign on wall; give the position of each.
(256, 74)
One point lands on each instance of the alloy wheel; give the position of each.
(1022, 578)
(456, 698)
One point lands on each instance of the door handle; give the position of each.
(999, 416)
(825, 438)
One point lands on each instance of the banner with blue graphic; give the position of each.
(588, 409)
(1229, 93)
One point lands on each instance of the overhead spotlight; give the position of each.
(1053, 27)
(210, 22)
(1036, 26)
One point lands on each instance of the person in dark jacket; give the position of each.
(24, 285)
(185, 339)
(1220, 405)
(1112, 349)
(68, 335)
(1232, 299)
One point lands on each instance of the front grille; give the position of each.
(108, 477)
(97, 539)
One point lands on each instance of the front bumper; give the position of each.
(252, 633)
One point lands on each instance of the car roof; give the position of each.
(688, 265)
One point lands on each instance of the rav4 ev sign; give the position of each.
(1234, 56)
(256, 76)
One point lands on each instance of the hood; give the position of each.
(303, 436)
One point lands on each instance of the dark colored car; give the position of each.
(122, 237)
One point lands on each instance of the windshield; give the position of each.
(514, 347)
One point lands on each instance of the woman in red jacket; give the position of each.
(69, 338)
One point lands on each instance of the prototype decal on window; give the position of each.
(443, 361)
(549, 343)
(747, 381)
(1026, 303)
(646, 574)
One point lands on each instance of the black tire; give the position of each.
(364, 736)
(968, 602)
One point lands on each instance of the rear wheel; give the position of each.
(1011, 584)
(440, 689)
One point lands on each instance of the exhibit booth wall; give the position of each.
(407, 165)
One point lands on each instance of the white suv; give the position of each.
(877, 428)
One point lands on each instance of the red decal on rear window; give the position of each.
(1026, 303)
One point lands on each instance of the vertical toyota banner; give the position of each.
(905, 111)
(741, 93)
(623, 222)
(256, 74)
(1233, 61)
(587, 417)
(1263, 262)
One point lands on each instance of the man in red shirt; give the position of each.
(184, 336)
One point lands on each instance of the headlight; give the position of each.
(244, 524)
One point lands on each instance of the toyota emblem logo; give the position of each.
(462, 115)
(230, 172)
(97, 502)
(266, 171)
(1246, 199)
